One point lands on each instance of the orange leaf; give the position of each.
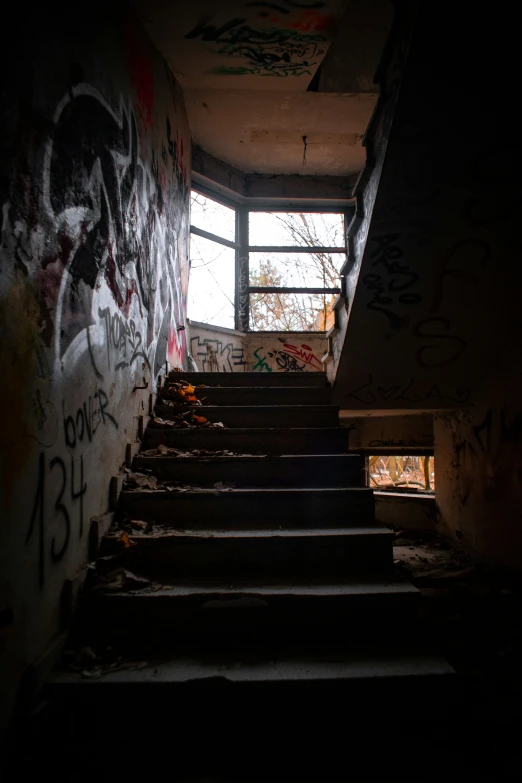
(125, 540)
(200, 419)
(192, 398)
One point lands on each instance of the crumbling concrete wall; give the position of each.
(94, 189)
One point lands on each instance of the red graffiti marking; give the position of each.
(140, 74)
(176, 347)
(310, 20)
(305, 354)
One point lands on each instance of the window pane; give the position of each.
(296, 270)
(325, 229)
(211, 282)
(291, 312)
(211, 216)
(405, 473)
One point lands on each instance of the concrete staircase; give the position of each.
(273, 599)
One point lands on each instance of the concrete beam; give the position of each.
(216, 172)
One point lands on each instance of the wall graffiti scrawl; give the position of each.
(93, 278)
(110, 213)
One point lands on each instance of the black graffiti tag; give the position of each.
(390, 287)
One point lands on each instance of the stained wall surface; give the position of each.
(94, 190)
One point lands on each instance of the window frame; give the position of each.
(243, 207)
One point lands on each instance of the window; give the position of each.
(256, 269)
(211, 294)
(402, 473)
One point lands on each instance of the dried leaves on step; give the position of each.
(92, 666)
(142, 480)
(181, 422)
(168, 451)
(181, 392)
(124, 539)
(123, 579)
(118, 579)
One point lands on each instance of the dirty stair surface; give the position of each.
(254, 575)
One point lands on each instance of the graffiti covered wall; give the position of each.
(286, 352)
(216, 349)
(94, 191)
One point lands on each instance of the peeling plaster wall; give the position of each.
(94, 190)
(216, 349)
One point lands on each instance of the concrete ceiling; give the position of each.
(263, 132)
(258, 76)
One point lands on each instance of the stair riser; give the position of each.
(269, 416)
(260, 379)
(182, 510)
(166, 558)
(222, 395)
(144, 624)
(326, 471)
(316, 730)
(251, 441)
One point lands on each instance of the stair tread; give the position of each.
(393, 584)
(264, 430)
(182, 375)
(245, 491)
(257, 533)
(276, 406)
(143, 456)
(247, 389)
(339, 665)
(260, 379)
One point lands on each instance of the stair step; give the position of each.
(265, 672)
(202, 507)
(252, 378)
(263, 415)
(276, 440)
(246, 611)
(227, 553)
(242, 716)
(263, 395)
(339, 470)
